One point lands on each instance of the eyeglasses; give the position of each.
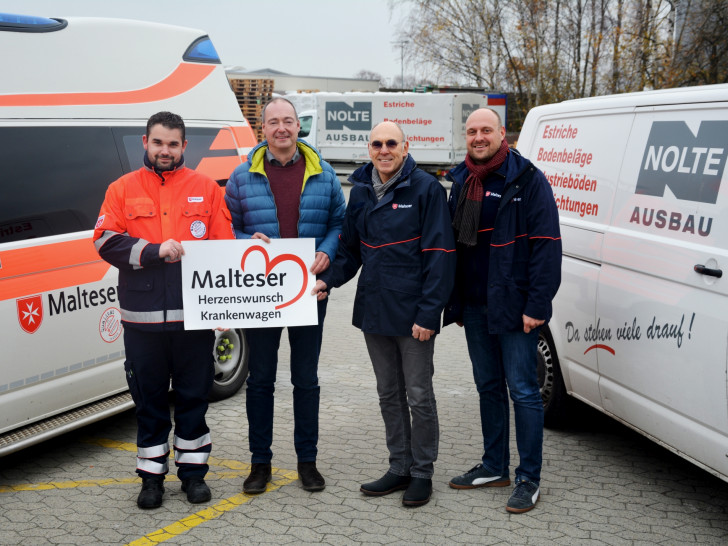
(378, 144)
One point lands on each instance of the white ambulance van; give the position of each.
(640, 325)
(75, 94)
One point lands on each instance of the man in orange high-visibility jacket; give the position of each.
(144, 218)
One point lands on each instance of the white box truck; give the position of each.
(338, 124)
(640, 323)
(75, 97)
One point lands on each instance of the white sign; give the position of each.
(246, 283)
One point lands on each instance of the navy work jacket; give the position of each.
(405, 248)
(524, 255)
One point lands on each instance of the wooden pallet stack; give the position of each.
(253, 95)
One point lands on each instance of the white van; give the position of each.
(75, 96)
(640, 325)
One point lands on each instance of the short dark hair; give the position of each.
(168, 120)
(278, 99)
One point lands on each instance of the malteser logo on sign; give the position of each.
(690, 165)
(340, 115)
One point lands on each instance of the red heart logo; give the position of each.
(270, 264)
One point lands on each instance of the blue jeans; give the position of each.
(263, 346)
(503, 363)
(404, 368)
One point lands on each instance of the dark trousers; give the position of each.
(152, 360)
(404, 368)
(263, 344)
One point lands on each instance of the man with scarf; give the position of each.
(397, 229)
(508, 271)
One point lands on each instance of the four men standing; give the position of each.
(399, 231)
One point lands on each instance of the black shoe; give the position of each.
(151, 494)
(389, 483)
(197, 490)
(418, 492)
(311, 478)
(258, 478)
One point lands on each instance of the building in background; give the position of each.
(253, 89)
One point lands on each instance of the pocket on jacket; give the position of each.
(141, 207)
(197, 209)
(197, 216)
(401, 279)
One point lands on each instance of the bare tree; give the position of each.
(369, 75)
(455, 37)
(700, 43)
(543, 51)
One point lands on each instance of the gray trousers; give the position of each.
(403, 367)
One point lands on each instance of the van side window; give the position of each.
(53, 179)
(306, 122)
(206, 151)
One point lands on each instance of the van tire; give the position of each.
(556, 402)
(231, 364)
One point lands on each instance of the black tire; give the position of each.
(556, 401)
(231, 364)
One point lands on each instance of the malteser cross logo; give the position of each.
(355, 118)
(691, 166)
(30, 313)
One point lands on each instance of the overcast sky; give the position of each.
(335, 38)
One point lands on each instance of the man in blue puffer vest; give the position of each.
(285, 190)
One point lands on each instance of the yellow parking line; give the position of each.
(113, 444)
(281, 478)
(64, 485)
(235, 469)
(225, 475)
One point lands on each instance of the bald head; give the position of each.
(387, 124)
(484, 134)
(387, 149)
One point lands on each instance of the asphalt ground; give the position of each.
(602, 483)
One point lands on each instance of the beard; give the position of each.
(164, 164)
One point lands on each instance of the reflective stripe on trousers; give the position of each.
(152, 317)
(185, 450)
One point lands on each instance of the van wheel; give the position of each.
(231, 364)
(553, 391)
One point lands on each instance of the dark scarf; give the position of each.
(470, 201)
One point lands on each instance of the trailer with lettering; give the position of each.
(338, 124)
